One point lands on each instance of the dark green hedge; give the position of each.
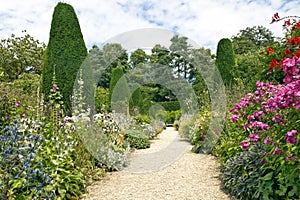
(65, 52)
(170, 105)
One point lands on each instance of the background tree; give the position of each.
(251, 39)
(249, 46)
(66, 51)
(181, 53)
(138, 58)
(225, 60)
(112, 55)
(160, 55)
(20, 55)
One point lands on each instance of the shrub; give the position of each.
(240, 174)
(200, 129)
(172, 116)
(185, 128)
(140, 119)
(270, 114)
(137, 140)
(170, 105)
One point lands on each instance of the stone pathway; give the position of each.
(167, 170)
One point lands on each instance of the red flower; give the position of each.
(287, 22)
(270, 50)
(274, 63)
(286, 53)
(276, 16)
(298, 53)
(297, 25)
(294, 41)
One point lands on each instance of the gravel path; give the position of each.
(166, 171)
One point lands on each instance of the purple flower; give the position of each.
(18, 103)
(292, 133)
(290, 137)
(253, 137)
(235, 118)
(267, 141)
(262, 161)
(245, 144)
(251, 117)
(24, 115)
(291, 140)
(293, 158)
(276, 151)
(6, 117)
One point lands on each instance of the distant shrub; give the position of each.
(137, 139)
(170, 105)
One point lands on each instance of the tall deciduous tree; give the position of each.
(19, 55)
(251, 39)
(112, 55)
(225, 60)
(138, 58)
(181, 53)
(65, 52)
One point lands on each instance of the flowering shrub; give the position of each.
(21, 174)
(268, 116)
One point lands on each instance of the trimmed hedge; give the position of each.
(170, 105)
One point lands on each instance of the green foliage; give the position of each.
(119, 96)
(160, 55)
(241, 173)
(170, 105)
(143, 119)
(104, 60)
(172, 116)
(181, 60)
(225, 60)
(65, 52)
(185, 128)
(25, 91)
(252, 39)
(138, 58)
(102, 99)
(137, 102)
(137, 139)
(20, 55)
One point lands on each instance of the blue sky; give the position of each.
(203, 21)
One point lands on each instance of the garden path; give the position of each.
(166, 171)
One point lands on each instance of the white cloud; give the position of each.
(205, 22)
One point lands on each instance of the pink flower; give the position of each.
(235, 118)
(253, 137)
(250, 117)
(267, 141)
(18, 103)
(245, 144)
(54, 88)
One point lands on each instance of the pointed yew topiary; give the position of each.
(119, 91)
(66, 51)
(225, 60)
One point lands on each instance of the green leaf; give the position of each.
(267, 177)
